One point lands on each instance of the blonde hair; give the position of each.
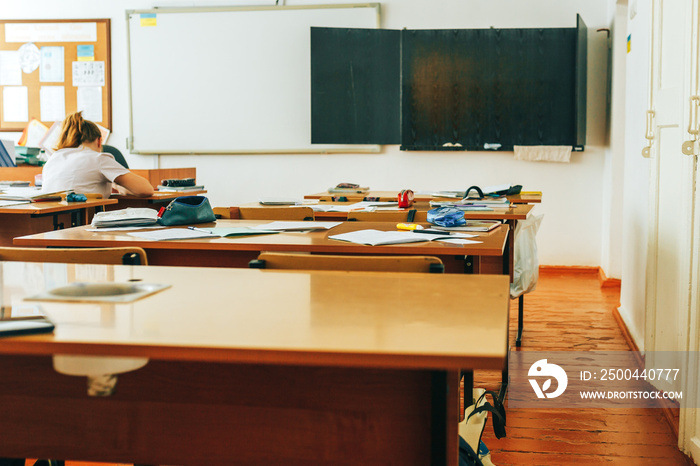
(76, 130)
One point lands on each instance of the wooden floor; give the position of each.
(569, 311)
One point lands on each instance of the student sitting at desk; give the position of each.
(79, 164)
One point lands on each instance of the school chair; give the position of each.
(297, 261)
(276, 213)
(116, 153)
(388, 216)
(111, 256)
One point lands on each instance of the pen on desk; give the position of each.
(434, 232)
(200, 230)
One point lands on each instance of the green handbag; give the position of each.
(187, 210)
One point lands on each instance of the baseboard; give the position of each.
(606, 282)
(568, 269)
(625, 331)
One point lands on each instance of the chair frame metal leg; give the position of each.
(519, 338)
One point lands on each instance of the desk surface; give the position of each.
(492, 243)
(517, 212)
(360, 319)
(54, 207)
(276, 367)
(157, 196)
(392, 196)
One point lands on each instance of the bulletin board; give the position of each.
(51, 68)
(229, 80)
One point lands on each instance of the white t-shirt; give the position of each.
(82, 170)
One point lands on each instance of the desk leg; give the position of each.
(438, 426)
(56, 224)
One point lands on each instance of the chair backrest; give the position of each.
(116, 153)
(224, 212)
(113, 256)
(384, 216)
(276, 213)
(292, 261)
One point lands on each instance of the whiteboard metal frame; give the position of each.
(340, 150)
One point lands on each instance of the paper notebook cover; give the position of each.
(378, 238)
(7, 154)
(240, 231)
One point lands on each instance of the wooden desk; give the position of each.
(490, 256)
(27, 219)
(393, 195)
(154, 175)
(156, 201)
(294, 368)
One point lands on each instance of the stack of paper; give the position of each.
(29, 194)
(125, 217)
(475, 204)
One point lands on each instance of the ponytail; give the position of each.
(76, 131)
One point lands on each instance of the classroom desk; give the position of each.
(252, 366)
(27, 219)
(153, 175)
(490, 256)
(534, 198)
(156, 201)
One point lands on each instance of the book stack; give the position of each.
(494, 203)
(132, 217)
(348, 188)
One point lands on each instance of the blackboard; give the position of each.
(228, 80)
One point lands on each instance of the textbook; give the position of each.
(473, 225)
(125, 217)
(29, 194)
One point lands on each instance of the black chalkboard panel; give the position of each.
(355, 86)
(464, 89)
(450, 89)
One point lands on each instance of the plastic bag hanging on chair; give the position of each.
(525, 262)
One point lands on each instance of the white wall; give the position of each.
(572, 231)
(613, 173)
(635, 216)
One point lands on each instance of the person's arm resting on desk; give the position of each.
(133, 184)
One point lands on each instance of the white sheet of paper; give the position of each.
(15, 103)
(458, 241)
(4, 203)
(88, 73)
(90, 102)
(290, 226)
(172, 233)
(149, 227)
(10, 71)
(376, 237)
(51, 69)
(53, 103)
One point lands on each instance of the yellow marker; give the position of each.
(409, 226)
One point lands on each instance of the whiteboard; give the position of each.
(228, 80)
